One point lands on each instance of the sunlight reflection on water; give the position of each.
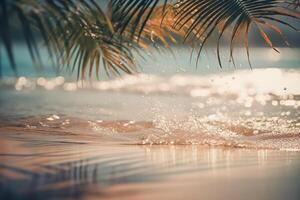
(244, 109)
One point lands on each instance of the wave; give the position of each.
(252, 133)
(245, 109)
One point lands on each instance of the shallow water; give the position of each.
(47, 165)
(246, 109)
(171, 134)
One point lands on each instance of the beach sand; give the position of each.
(44, 165)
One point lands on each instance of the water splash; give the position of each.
(244, 109)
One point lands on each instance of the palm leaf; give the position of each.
(5, 33)
(87, 41)
(206, 17)
(157, 29)
(76, 33)
(134, 13)
(235, 16)
(80, 34)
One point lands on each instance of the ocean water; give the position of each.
(256, 108)
(172, 123)
(178, 60)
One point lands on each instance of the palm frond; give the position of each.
(158, 28)
(80, 34)
(76, 33)
(83, 37)
(134, 13)
(235, 16)
(5, 32)
(206, 17)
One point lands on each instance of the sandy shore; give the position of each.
(44, 165)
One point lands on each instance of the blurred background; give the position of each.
(179, 58)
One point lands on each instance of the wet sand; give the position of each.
(44, 165)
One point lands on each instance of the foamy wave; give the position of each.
(246, 109)
(253, 132)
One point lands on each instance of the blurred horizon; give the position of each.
(164, 61)
(177, 59)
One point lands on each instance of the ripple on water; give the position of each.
(247, 111)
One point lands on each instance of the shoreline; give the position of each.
(33, 165)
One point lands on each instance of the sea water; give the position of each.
(171, 122)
